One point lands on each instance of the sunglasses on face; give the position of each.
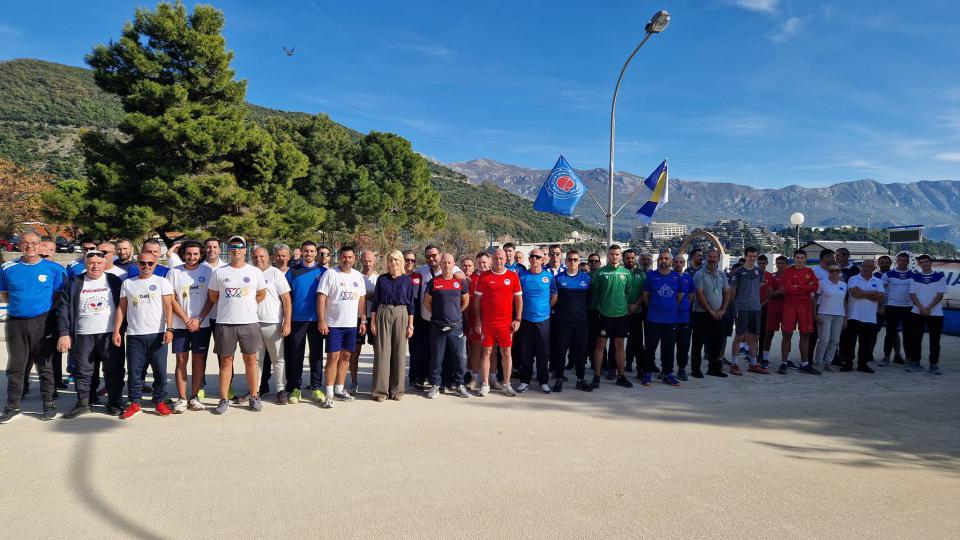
(536, 256)
(572, 259)
(323, 254)
(410, 260)
(148, 264)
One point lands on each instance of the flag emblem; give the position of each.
(561, 191)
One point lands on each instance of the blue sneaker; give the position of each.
(647, 379)
(671, 380)
(765, 364)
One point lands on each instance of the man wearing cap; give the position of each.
(85, 315)
(237, 289)
(30, 286)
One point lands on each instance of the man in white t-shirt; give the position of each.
(275, 321)
(926, 294)
(146, 304)
(896, 284)
(340, 300)
(85, 313)
(191, 327)
(865, 292)
(236, 290)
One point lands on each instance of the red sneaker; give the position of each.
(163, 409)
(757, 368)
(735, 370)
(132, 410)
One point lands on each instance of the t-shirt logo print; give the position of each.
(42, 278)
(233, 292)
(665, 291)
(545, 279)
(506, 282)
(246, 279)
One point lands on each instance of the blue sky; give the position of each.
(763, 92)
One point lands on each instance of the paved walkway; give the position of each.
(845, 455)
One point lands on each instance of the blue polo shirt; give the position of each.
(133, 270)
(686, 288)
(31, 287)
(663, 291)
(537, 290)
(303, 291)
(572, 293)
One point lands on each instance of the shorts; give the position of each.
(499, 335)
(187, 341)
(229, 335)
(774, 316)
(614, 327)
(748, 321)
(342, 339)
(798, 315)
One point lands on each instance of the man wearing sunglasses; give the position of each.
(303, 278)
(556, 265)
(85, 317)
(237, 289)
(152, 246)
(31, 286)
(539, 297)
(568, 335)
(146, 306)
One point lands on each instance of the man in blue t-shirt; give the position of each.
(30, 286)
(303, 279)
(661, 295)
(684, 303)
(568, 331)
(539, 296)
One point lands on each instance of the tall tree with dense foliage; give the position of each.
(186, 157)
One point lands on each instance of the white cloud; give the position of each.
(429, 48)
(9, 30)
(765, 6)
(949, 156)
(788, 29)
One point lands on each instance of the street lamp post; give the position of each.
(796, 219)
(656, 25)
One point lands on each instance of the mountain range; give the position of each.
(935, 204)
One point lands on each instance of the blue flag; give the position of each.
(657, 183)
(561, 191)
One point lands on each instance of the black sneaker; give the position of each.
(622, 381)
(584, 385)
(696, 374)
(865, 369)
(49, 411)
(596, 382)
(782, 370)
(9, 415)
(78, 410)
(682, 374)
(846, 367)
(720, 374)
(558, 385)
(114, 409)
(808, 369)
(61, 385)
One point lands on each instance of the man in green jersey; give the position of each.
(609, 289)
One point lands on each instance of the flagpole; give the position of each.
(655, 26)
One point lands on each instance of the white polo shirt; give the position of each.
(863, 309)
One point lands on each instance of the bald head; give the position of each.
(499, 260)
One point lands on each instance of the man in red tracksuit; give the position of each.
(799, 283)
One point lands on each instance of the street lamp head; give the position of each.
(796, 219)
(658, 22)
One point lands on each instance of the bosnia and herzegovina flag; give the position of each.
(561, 191)
(657, 182)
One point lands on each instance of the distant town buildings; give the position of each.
(659, 231)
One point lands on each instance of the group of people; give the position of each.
(464, 323)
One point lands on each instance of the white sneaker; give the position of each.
(494, 383)
(522, 387)
(484, 389)
(180, 406)
(545, 388)
(195, 405)
(508, 390)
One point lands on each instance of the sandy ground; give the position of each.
(845, 455)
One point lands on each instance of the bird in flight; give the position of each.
(288, 51)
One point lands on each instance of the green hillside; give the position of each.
(43, 107)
